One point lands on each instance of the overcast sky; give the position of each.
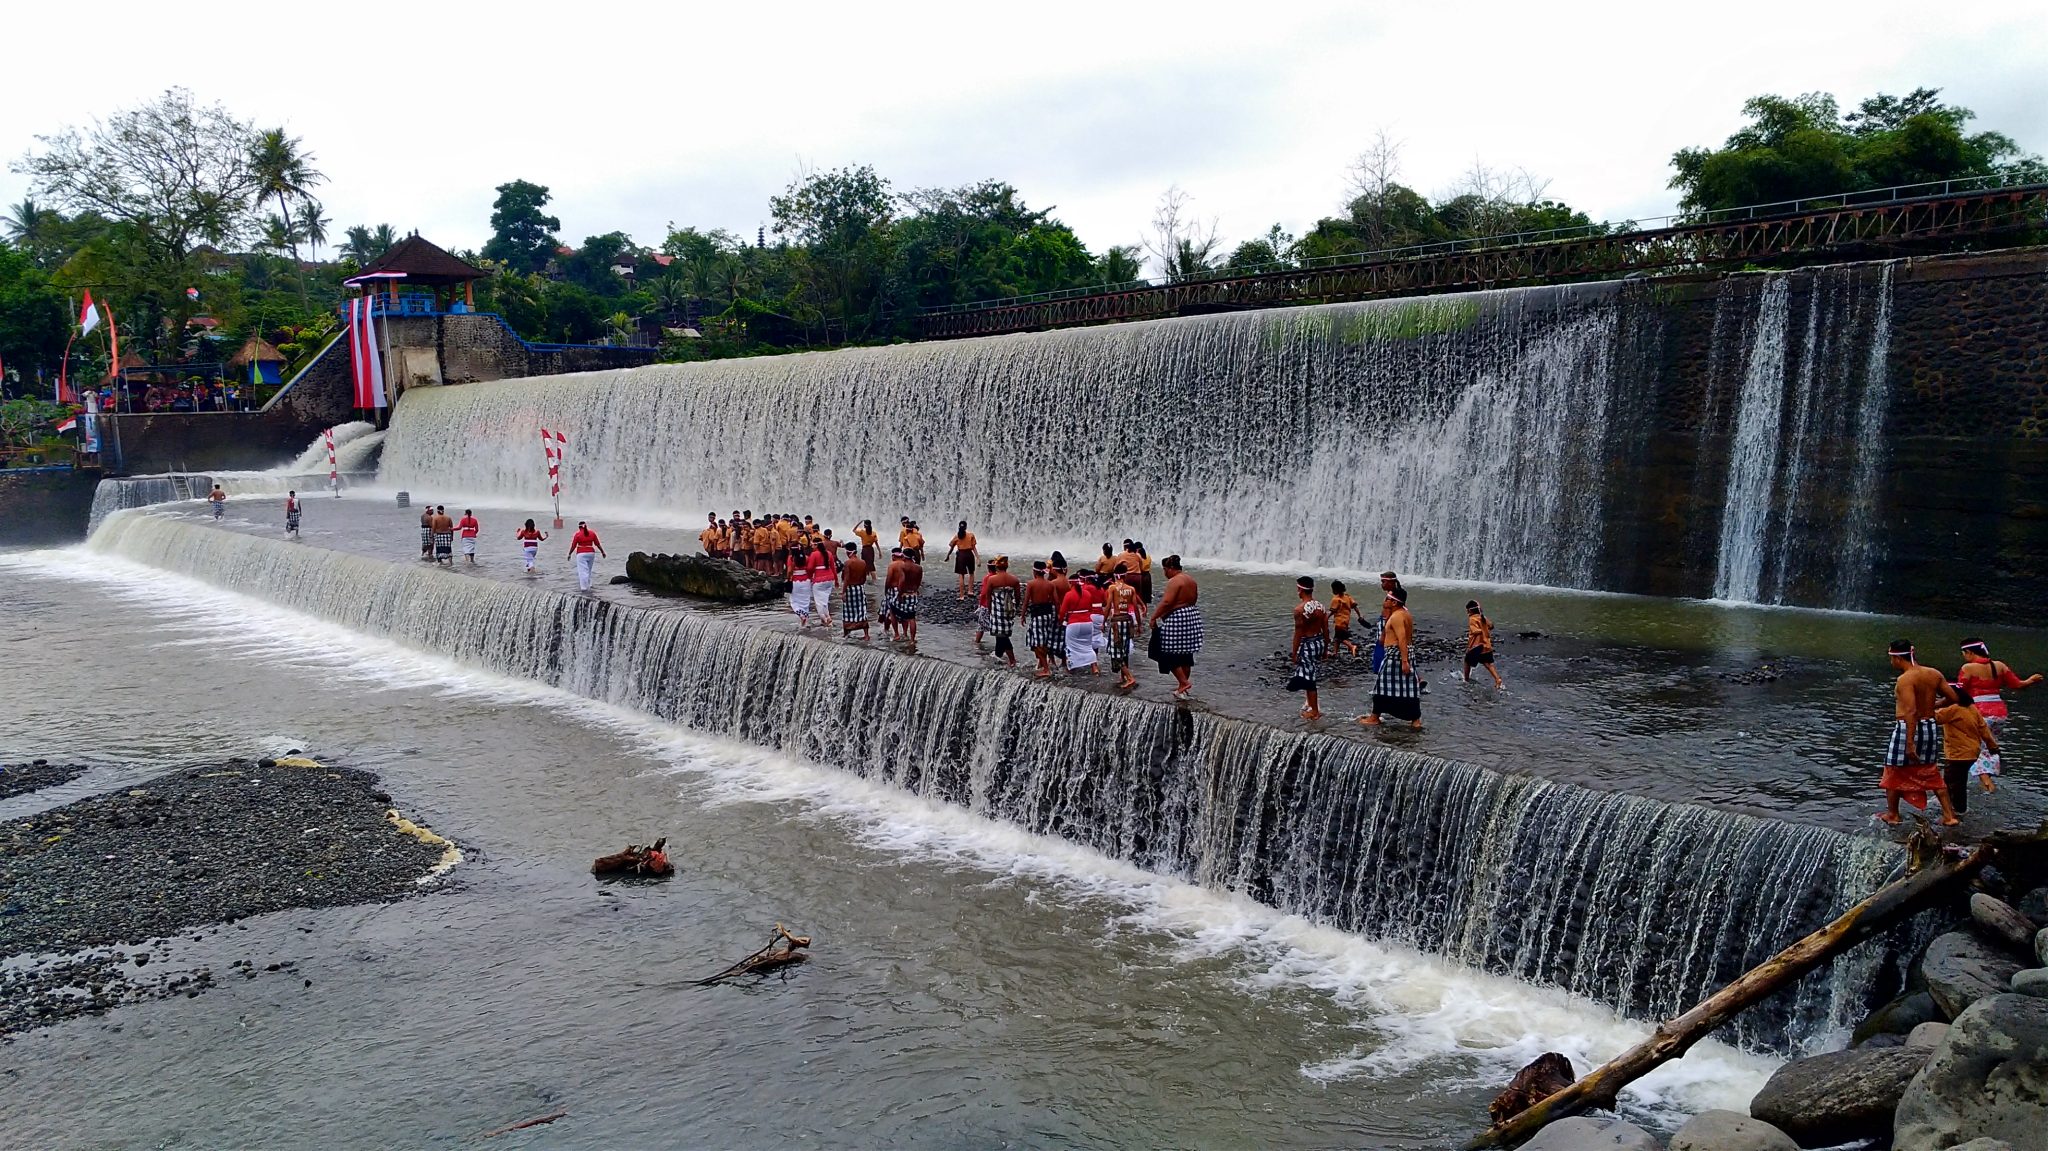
(638, 115)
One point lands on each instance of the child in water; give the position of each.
(1967, 748)
(1479, 643)
(1342, 608)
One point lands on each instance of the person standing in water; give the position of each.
(1982, 676)
(853, 593)
(1965, 739)
(797, 567)
(291, 514)
(1479, 643)
(1077, 612)
(1176, 624)
(529, 538)
(1396, 689)
(427, 533)
(1121, 612)
(824, 575)
(913, 546)
(907, 590)
(584, 548)
(1311, 641)
(1041, 617)
(219, 500)
(865, 533)
(444, 536)
(1912, 767)
(1004, 596)
(468, 529)
(1342, 608)
(960, 549)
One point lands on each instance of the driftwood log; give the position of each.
(767, 959)
(540, 1121)
(1935, 872)
(635, 860)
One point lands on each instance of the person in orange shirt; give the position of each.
(1342, 608)
(1965, 740)
(960, 549)
(708, 538)
(866, 534)
(1479, 643)
(913, 545)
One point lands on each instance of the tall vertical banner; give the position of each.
(551, 445)
(333, 473)
(366, 355)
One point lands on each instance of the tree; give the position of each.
(522, 236)
(1276, 247)
(590, 266)
(1804, 147)
(313, 225)
(363, 244)
(979, 242)
(1180, 244)
(1120, 264)
(839, 220)
(1374, 182)
(34, 317)
(284, 176)
(178, 172)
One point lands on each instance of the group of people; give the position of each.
(1397, 684)
(439, 534)
(1944, 730)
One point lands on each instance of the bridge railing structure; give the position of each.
(1939, 210)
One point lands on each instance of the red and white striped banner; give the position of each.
(366, 355)
(333, 473)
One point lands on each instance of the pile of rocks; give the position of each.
(22, 778)
(1957, 1063)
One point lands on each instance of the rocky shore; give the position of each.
(1959, 1062)
(22, 778)
(91, 893)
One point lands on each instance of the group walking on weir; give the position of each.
(1943, 730)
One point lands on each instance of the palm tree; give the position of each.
(285, 174)
(313, 226)
(32, 228)
(362, 244)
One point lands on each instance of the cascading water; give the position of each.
(353, 443)
(1457, 436)
(1642, 905)
(356, 445)
(1809, 416)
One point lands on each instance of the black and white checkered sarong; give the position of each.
(1180, 633)
(1002, 610)
(854, 607)
(1895, 753)
(1043, 630)
(906, 605)
(1308, 660)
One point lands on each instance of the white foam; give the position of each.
(1411, 1011)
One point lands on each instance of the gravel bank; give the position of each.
(20, 778)
(184, 849)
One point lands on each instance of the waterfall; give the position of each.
(1642, 905)
(355, 452)
(1456, 436)
(348, 447)
(1796, 518)
(119, 492)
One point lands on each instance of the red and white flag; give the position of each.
(88, 315)
(366, 355)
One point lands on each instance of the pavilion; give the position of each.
(269, 362)
(414, 262)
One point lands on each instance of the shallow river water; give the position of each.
(973, 985)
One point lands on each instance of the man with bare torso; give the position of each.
(1311, 640)
(1912, 759)
(1004, 596)
(907, 589)
(853, 592)
(1177, 628)
(1041, 617)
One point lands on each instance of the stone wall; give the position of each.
(44, 508)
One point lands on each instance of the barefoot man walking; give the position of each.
(1912, 759)
(1396, 690)
(1177, 627)
(1311, 640)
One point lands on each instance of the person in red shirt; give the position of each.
(467, 528)
(798, 566)
(529, 538)
(1077, 612)
(584, 548)
(824, 570)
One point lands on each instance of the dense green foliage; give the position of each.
(1804, 146)
(172, 196)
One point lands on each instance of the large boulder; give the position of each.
(1730, 1131)
(2001, 924)
(2033, 981)
(1839, 1097)
(702, 576)
(1592, 1133)
(1928, 1035)
(2041, 946)
(1900, 1016)
(1961, 969)
(1987, 1080)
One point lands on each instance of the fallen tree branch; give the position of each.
(542, 1121)
(767, 959)
(1936, 873)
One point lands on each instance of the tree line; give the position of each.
(174, 209)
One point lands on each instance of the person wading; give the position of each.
(824, 574)
(907, 595)
(865, 533)
(1966, 740)
(1077, 614)
(1982, 676)
(427, 533)
(1342, 608)
(797, 568)
(529, 538)
(960, 549)
(1041, 617)
(219, 500)
(584, 548)
(853, 593)
(1311, 640)
(1479, 643)
(1121, 612)
(291, 514)
(468, 529)
(1912, 763)
(1004, 597)
(1176, 625)
(1396, 689)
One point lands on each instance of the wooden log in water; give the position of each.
(1938, 874)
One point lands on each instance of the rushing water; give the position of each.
(356, 445)
(1639, 904)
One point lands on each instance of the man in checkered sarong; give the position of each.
(853, 593)
(1042, 618)
(1311, 640)
(1912, 758)
(1177, 627)
(1396, 688)
(1004, 598)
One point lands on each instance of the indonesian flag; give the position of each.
(69, 425)
(551, 444)
(365, 356)
(88, 316)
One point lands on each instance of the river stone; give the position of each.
(1839, 1097)
(700, 575)
(2033, 905)
(1900, 1016)
(1730, 1131)
(2032, 981)
(1927, 1035)
(2001, 923)
(2041, 946)
(1988, 1079)
(1984, 1145)
(1961, 969)
(1592, 1133)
